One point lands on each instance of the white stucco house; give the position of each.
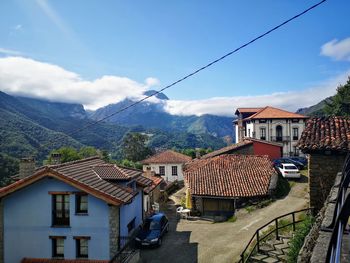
(271, 124)
(168, 164)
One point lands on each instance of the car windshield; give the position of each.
(151, 225)
(290, 167)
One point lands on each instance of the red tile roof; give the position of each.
(331, 133)
(79, 174)
(156, 180)
(273, 113)
(167, 156)
(230, 176)
(49, 260)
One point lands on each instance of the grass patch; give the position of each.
(298, 240)
(250, 208)
(232, 219)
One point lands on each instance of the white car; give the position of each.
(289, 170)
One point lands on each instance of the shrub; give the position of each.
(232, 219)
(282, 188)
(298, 240)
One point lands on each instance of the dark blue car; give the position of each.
(153, 230)
(278, 162)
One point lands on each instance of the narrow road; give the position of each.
(222, 242)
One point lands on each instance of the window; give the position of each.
(131, 225)
(161, 170)
(263, 133)
(60, 210)
(82, 248)
(174, 170)
(57, 246)
(248, 132)
(295, 134)
(81, 203)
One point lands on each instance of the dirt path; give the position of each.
(222, 242)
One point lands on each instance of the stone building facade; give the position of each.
(325, 140)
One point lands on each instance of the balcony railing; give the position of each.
(340, 216)
(280, 138)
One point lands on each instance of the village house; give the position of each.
(152, 193)
(75, 210)
(327, 142)
(168, 164)
(250, 146)
(270, 124)
(220, 184)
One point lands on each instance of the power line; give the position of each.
(193, 73)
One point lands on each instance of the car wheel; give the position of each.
(159, 242)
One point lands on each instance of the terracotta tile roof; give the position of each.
(143, 181)
(167, 156)
(274, 113)
(331, 133)
(230, 176)
(226, 149)
(81, 175)
(156, 180)
(49, 260)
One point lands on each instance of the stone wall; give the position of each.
(316, 243)
(113, 230)
(323, 169)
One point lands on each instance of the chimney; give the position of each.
(26, 167)
(198, 154)
(55, 158)
(148, 173)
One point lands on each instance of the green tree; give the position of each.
(89, 151)
(8, 168)
(67, 154)
(340, 103)
(134, 146)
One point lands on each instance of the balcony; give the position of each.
(280, 138)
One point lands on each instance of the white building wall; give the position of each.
(270, 126)
(168, 176)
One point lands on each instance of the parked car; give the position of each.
(298, 164)
(288, 170)
(302, 160)
(153, 230)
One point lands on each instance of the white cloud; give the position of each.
(9, 52)
(26, 77)
(226, 106)
(152, 81)
(338, 50)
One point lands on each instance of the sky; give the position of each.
(100, 52)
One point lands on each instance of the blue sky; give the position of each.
(131, 46)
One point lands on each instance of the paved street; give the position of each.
(200, 241)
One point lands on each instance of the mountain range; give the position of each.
(34, 127)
